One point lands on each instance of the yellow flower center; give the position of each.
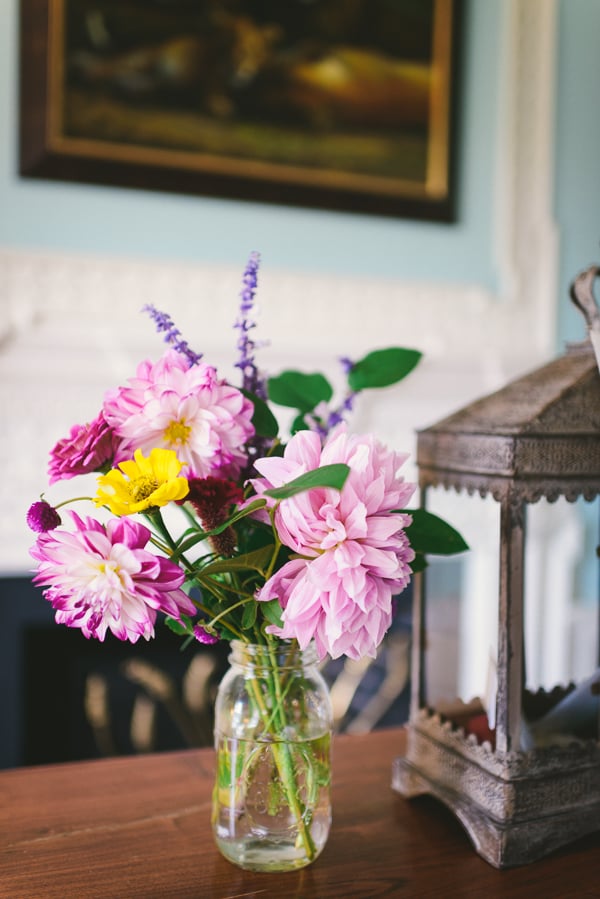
(177, 433)
(141, 488)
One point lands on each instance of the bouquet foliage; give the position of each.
(206, 514)
(267, 539)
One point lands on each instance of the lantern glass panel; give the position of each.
(461, 607)
(561, 593)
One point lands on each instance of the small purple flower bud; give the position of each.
(42, 517)
(202, 635)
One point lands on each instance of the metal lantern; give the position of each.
(537, 437)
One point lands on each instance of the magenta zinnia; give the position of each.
(353, 552)
(87, 448)
(101, 577)
(186, 408)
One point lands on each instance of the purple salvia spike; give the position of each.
(251, 379)
(336, 416)
(172, 336)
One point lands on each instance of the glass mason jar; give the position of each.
(273, 721)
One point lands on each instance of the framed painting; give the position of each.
(337, 104)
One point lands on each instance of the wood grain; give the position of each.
(140, 827)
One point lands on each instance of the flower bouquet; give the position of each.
(290, 549)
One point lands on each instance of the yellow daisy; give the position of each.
(142, 483)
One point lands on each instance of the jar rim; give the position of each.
(283, 653)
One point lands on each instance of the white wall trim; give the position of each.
(526, 238)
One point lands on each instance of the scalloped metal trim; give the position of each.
(510, 490)
(577, 754)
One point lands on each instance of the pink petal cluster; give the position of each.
(101, 578)
(87, 448)
(355, 553)
(186, 408)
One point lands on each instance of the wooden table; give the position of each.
(140, 827)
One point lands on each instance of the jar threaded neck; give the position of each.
(281, 655)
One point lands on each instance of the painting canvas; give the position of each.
(341, 104)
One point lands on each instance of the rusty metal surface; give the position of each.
(537, 437)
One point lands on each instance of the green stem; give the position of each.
(73, 499)
(236, 605)
(281, 749)
(155, 517)
(276, 545)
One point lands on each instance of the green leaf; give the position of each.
(241, 513)
(197, 536)
(257, 560)
(265, 423)
(180, 628)
(249, 616)
(382, 368)
(299, 390)
(419, 563)
(272, 612)
(430, 534)
(327, 476)
(298, 424)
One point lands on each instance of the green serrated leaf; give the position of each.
(382, 368)
(299, 390)
(265, 423)
(327, 476)
(430, 534)
(272, 612)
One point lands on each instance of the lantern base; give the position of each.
(515, 809)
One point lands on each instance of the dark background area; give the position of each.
(46, 672)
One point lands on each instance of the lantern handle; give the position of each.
(582, 295)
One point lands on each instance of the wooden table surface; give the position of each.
(140, 827)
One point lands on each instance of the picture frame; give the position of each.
(334, 104)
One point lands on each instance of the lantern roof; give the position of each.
(537, 436)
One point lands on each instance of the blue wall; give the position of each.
(577, 151)
(139, 223)
(109, 221)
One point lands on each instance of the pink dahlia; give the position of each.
(355, 553)
(87, 448)
(174, 405)
(101, 577)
